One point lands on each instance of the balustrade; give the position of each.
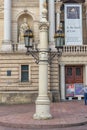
(75, 49)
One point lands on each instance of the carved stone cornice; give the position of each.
(77, 59)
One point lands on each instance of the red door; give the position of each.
(73, 74)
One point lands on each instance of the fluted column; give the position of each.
(62, 81)
(51, 8)
(58, 11)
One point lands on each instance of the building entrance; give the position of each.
(74, 81)
(73, 74)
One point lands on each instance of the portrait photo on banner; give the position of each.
(73, 12)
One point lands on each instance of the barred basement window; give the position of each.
(24, 73)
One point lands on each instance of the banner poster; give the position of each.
(73, 24)
(70, 90)
(78, 89)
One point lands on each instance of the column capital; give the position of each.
(58, 5)
(62, 64)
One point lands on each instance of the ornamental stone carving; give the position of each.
(22, 28)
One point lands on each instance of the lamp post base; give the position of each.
(42, 110)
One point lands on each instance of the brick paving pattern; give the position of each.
(65, 114)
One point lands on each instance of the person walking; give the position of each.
(85, 94)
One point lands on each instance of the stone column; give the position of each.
(51, 16)
(7, 20)
(85, 75)
(43, 102)
(62, 81)
(86, 12)
(41, 2)
(6, 45)
(58, 6)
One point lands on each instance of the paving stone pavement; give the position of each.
(65, 114)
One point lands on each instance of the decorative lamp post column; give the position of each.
(43, 102)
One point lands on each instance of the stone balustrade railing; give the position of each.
(75, 49)
(66, 49)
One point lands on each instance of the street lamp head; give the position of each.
(59, 38)
(28, 38)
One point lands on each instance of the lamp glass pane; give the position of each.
(31, 42)
(26, 39)
(58, 42)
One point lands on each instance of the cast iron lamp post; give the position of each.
(43, 58)
(59, 42)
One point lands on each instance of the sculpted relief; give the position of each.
(25, 22)
(22, 28)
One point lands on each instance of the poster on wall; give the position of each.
(78, 89)
(70, 90)
(73, 24)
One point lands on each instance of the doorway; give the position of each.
(73, 74)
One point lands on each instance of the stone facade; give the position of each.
(12, 90)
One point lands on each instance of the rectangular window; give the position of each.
(78, 71)
(24, 73)
(8, 72)
(69, 71)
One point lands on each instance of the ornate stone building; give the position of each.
(19, 72)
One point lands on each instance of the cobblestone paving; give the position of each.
(65, 114)
(84, 127)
